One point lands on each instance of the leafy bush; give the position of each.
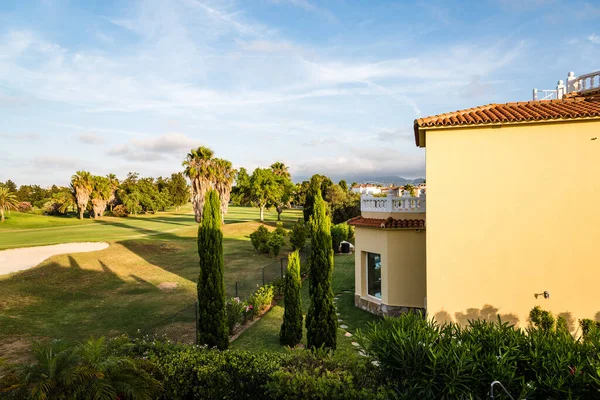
(193, 372)
(320, 375)
(238, 313)
(262, 299)
(24, 207)
(120, 211)
(62, 370)
(426, 360)
(275, 243)
(197, 373)
(268, 242)
(339, 233)
(259, 239)
(291, 329)
(298, 235)
(280, 230)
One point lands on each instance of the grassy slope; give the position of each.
(264, 335)
(116, 290)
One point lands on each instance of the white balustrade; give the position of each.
(588, 82)
(393, 204)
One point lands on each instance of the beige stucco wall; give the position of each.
(402, 264)
(515, 232)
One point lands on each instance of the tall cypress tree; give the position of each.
(321, 321)
(291, 329)
(212, 320)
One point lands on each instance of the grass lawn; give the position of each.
(264, 334)
(116, 290)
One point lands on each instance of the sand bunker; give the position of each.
(27, 257)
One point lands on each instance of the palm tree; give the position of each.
(223, 176)
(280, 169)
(63, 371)
(100, 195)
(199, 169)
(82, 185)
(114, 185)
(8, 201)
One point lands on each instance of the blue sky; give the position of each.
(325, 86)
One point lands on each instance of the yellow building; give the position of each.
(507, 246)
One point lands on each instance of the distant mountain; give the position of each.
(375, 179)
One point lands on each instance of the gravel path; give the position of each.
(14, 260)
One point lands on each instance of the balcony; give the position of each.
(582, 84)
(392, 204)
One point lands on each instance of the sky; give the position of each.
(330, 87)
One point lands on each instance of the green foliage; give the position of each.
(321, 320)
(178, 190)
(541, 319)
(339, 233)
(268, 242)
(427, 360)
(344, 204)
(262, 299)
(298, 235)
(265, 189)
(85, 371)
(275, 243)
(212, 318)
(291, 329)
(238, 313)
(320, 375)
(343, 185)
(259, 239)
(190, 372)
(280, 229)
(120, 211)
(8, 201)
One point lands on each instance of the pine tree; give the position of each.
(321, 321)
(212, 320)
(291, 329)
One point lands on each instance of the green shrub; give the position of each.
(120, 211)
(298, 235)
(280, 229)
(238, 312)
(262, 299)
(320, 375)
(196, 373)
(278, 287)
(339, 233)
(259, 239)
(275, 243)
(426, 360)
(541, 319)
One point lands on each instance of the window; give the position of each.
(374, 275)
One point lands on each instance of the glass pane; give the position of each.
(374, 274)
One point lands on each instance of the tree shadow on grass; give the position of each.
(67, 301)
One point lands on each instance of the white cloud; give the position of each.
(90, 138)
(55, 162)
(594, 38)
(169, 144)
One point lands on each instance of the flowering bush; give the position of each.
(238, 313)
(24, 206)
(262, 299)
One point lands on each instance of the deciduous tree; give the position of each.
(264, 189)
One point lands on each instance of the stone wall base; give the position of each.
(383, 309)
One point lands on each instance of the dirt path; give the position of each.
(14, 260)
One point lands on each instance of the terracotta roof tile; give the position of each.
(389, 223)
(570, 107)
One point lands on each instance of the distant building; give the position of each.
(366, 188)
